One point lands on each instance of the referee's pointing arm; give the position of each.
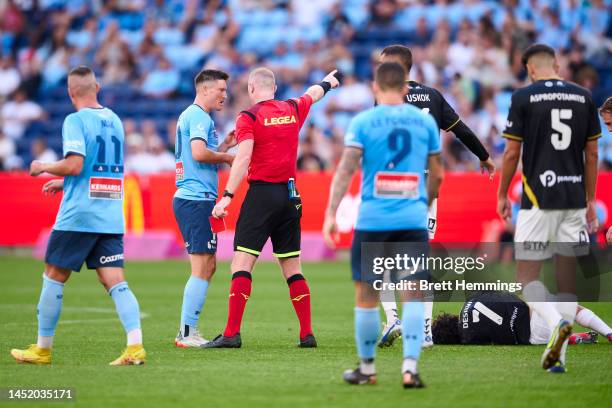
(261, 87)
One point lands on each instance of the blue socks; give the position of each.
(194, 297)
(367, 327)
(49, 306)
(413, 325)
(126, 305)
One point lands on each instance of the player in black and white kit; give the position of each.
(503, 318)
(556, 124)
(430, 101)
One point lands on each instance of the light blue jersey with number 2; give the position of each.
(396, 141)
(93, 200)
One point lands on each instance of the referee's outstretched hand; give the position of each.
(332, 79)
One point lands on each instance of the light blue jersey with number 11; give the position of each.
(93, 200)
(397, 141)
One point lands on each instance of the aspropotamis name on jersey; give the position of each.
(105, 188)
(396, 185)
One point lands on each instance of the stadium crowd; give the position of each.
(146, 53)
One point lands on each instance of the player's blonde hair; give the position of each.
(607, 106)
(262, 78)
(82, 81)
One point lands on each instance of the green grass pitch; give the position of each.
(269, 370)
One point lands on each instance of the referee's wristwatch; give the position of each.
(227, 194)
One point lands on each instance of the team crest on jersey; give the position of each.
(180, 171)
(105, 188)
(396, 185)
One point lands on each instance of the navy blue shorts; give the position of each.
(413, 243)
(192, 219)
(69, 249)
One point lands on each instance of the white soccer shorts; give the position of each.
(542, 233)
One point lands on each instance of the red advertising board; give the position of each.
(465, 208)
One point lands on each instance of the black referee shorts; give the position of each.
(268, 212)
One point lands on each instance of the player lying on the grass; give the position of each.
(89, 225)
(431, 101)
(198, 154)
(503, 318)
(555, 125)
(267, 135)
(396, 143)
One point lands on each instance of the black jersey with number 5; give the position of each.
(495, 318)
(431, 101)
(553, 119)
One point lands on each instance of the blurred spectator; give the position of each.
(469, 49)
(7, 150)
(161, 82)
(41, 152)
(9, 77)
(308, 160)
(163, 159)
(18, 113)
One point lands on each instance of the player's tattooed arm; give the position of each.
(434, 177)
(72, 165)
(512, 154)
(349, 163)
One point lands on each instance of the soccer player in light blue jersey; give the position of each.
(396, 142)
(198, 154)
(89, 225)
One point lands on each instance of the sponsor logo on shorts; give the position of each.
(396, 185)
(105, 188)
(111, 258)
(549, 178)
(535, 246)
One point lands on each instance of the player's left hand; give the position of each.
(503, 208)
(330, 231)
(230, 140)
(220, 209)
(53, 187)
(489, 167)
(36, 168)
(591, 217)
(609, 236)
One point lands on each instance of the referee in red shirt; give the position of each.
(267, 135)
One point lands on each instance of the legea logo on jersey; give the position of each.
(549, 178)
(280, 120)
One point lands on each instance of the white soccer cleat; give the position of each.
(189, 337)
(390, 332)
(427, 336)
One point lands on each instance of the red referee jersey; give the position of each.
(274, 126)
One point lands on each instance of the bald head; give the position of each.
(82, 82)
(262, 79)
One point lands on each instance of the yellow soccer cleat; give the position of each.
(133, 355)
(32, 355)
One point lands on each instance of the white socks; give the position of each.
(367, 367)
(45, 342)
(590, 320)
(390, 311)
(134, 337)
(536, 296)
(409, 364)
